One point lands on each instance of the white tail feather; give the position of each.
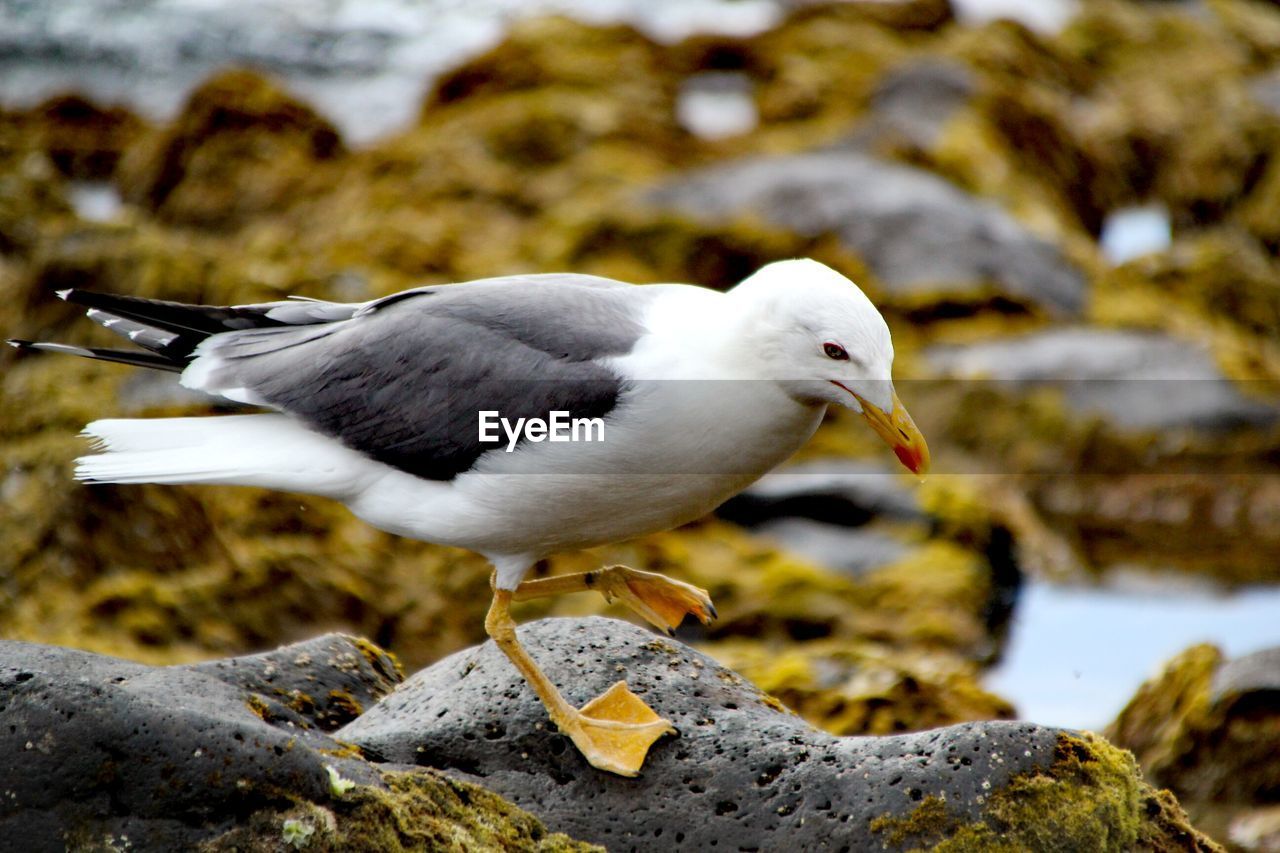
(272, 451)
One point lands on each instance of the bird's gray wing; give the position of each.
(403, 380)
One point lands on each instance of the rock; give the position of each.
(102, 746)
(916, 232)
(1207, 728)
(744, 773)
(1208, 521)
(837, 491)
(84, 140)
(912, 104)
(328, 681)
(366, 70)
(820, 509)
(99, 752)
(1224, 279)
(1247, 679)
(851, 551)
(240, 148)
(1265, 89)
(863, 687)
(1136, 379)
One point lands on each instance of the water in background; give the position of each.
(364, 63)
(1076, 654)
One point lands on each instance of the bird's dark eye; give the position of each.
(835, 351)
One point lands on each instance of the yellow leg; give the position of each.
(659, 599)
(613, 731)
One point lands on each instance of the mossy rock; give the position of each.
(241, 148)
(417, 810)
(1091, 798)
(1108, 113)
(556, 50)
(1219, 285)
(1205, 727)
(855, 688)
(33, 194)
(83, 139)
(743, 772)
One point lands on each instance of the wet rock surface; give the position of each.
(743, 772)
(916, 231)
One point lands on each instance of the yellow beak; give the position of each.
(900, 433)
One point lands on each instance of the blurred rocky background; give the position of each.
(1070, 218)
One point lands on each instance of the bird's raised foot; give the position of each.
(615, 730)
(659, 599)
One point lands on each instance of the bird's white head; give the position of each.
(817, 334)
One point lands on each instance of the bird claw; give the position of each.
(662, 601)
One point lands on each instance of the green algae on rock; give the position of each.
(240, 148)
(416, 810)
(846, 687)
(1091, 798)
(1205, 727)
(83, 139)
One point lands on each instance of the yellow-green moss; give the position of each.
(860, 687)
(240, 148)
(929, 821)
(258, 707)
(344, 750)
(378, 657)
(418, 810)
(1091, 798)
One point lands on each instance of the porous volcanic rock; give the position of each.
(101, 753)
(745, 773)
(95, 746)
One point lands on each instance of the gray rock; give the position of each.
(831, 511)
(851, 551)
(1254, 675)
(836, 491)
(92, 746)
(741, 775)
(1265, 89)
(913, 104)
(1137, 379)
(328, 681)
(917, 232)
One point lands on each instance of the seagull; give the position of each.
(383, 405)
